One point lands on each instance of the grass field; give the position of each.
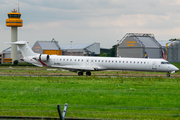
(91, 97)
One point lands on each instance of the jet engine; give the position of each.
(44, 57)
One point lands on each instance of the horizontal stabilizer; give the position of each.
(17, 43)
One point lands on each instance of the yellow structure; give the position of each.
(5, 60)
(14, 21)
(52, 52)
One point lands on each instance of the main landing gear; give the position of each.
(88, 73)
(168, 74)
(80, 73)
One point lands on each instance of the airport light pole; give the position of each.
(117, 48)
(71, 47)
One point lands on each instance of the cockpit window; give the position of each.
(165, 63)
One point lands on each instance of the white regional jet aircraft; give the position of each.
(87, 64)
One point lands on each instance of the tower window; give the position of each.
(14, 16)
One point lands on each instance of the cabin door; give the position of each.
(154, 65)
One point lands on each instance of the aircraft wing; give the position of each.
(74, 67)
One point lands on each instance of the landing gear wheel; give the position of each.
(80, 73)
(168, 74)
(88, 73)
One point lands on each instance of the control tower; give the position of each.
(14, 21)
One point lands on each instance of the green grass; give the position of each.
(91, 97)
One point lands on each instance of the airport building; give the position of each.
(92, 49)
(138, 45)
(47, 47)
(52, 47)
(6, 55)
(14, 22)
(173, 51)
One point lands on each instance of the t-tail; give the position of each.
(24, 48)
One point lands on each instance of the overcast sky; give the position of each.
(89, 21)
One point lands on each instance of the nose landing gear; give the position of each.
(168, 74)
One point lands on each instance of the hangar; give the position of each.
(53, 48)
(92, 49)
(47, 47)
(6, 55)
(137, 45)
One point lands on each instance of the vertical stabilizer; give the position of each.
(24, 48)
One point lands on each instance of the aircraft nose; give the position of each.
(176, 69)
(173, 68)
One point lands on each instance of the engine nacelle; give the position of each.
(44, 57)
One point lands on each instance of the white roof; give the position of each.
(78, 46)
(149, 41)
(47, 45)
